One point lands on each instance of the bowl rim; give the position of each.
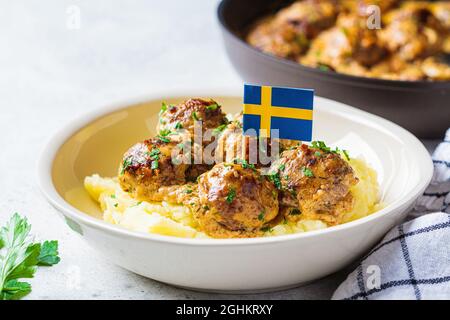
(331, 76)
(56, 141)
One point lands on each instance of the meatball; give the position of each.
(150, 165)
(413, 32)
(184, 116)
(288, 34)
(315, 183)
(350, 40)
(236, 201)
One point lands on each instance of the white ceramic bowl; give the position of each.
(95, 143)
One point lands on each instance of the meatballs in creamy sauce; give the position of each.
(235, 198)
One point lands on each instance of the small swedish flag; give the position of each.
(290, 110)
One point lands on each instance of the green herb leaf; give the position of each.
(219, 129)
(15, 290)
(154, 165)
(163, 108)
(231, 195)
(194, 116)
(275, 179)
(307, 172)
(49, 253)
(178, 125)
(345, 152)
(154, 153)
(212, 107)
(21, 257)
(244, 163)
(126, 164)
(261, 216)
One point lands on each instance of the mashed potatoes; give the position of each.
(176, 220)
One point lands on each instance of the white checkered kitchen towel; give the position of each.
(413, 259)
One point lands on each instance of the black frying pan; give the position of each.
(422, 107)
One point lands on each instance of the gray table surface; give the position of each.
(52, 72)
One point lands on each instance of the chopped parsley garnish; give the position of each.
(205, 207)
(165, 132)
(163, 108)
(317, 154)
(282, 167)
(178, 125)
(219, 129)
(212, 107)
(116, 205)
(294, 212)
(188, 191)
(345, 152)
(244, 163)
(154, 154)
(322, 146)
(154, 165)
(113, 196)
(194, 116)
(163, 139)
(266, 229)
(275, 179)
(261, 216)
(126, 164)
(307, 172)
(231, 195)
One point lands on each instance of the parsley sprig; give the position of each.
(20, 257)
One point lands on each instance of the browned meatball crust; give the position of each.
(236, 201)
(315, 182)
(149, 165)
(413, 32)
(289, 32)
(184, 115)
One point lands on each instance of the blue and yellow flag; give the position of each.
(290, 110)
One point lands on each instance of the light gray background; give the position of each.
(50, 73)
